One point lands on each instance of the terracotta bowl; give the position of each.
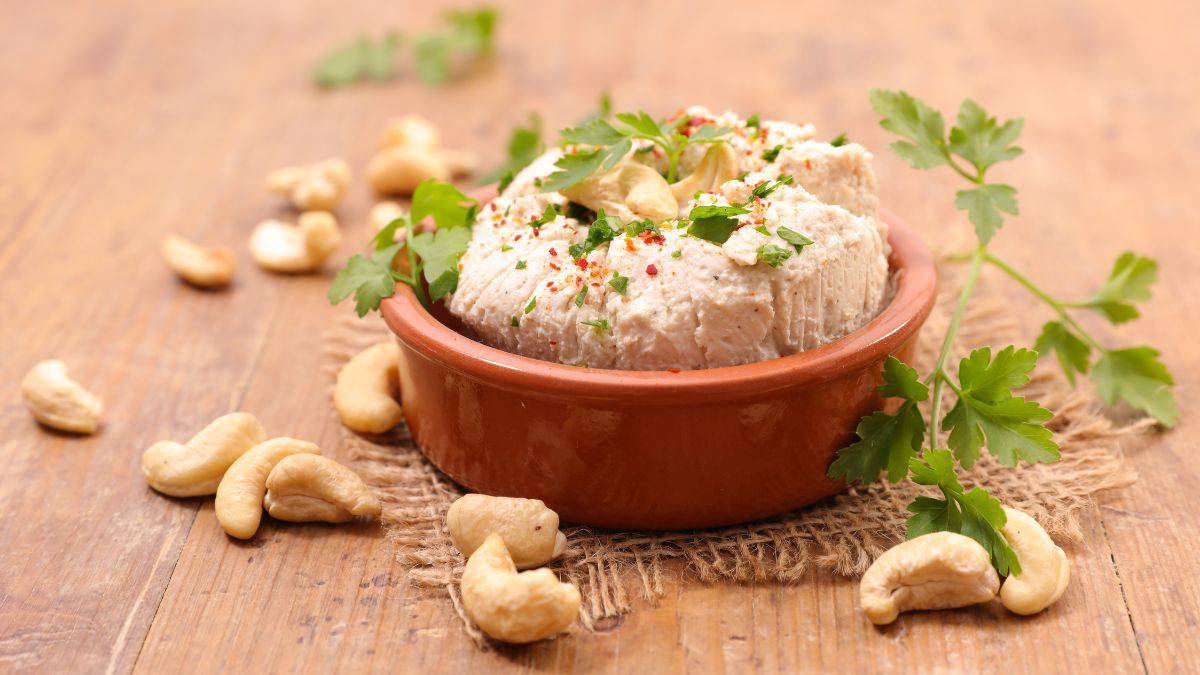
(651, 450)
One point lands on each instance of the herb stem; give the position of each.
(960, 309)
(414, 266)
(1058, 307)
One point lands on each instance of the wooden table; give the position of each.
(126, 120)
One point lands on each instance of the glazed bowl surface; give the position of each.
(651, 450)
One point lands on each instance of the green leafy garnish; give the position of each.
(886, 441)
(521, 264)
(601, 325)
(1130, 281)
(599, 232)
(765, 189)
(548, 216)
(973, 513)
(581, 297)
(773, 255)
(797, 240)
(1073, 354)
(514, 321)
(619, 283)
(986, 411)
(714, 223)
(772, 154)
(532, 305)
(468, 36)
(752, 122)
(363, 59)
(612, 141)
(524, 146)
(433, 256)
(1136, 376)
(839, 140)
(676, 253)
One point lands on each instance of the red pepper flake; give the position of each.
(554, 267)
(549, 284)
(651, 270)
(517, 238)
(553, 343)
(807, 164)
(673, 370)
(596, 284)
(582, 263)
(553, 252)
(629, 244)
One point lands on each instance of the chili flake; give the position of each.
(651, 270)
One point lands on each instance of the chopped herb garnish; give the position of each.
(601, 325)
(547, 216)
(514, 321)
(742, 175)
(676, 253)
(363, 59)
(469, 35)
(772, 154)
(636, 227)
(714, 223)
(599, 232)
(524, 146)
(505, 248)
(579, 299)
(753, 122)
(839, 140)
(763, 191)
(619, 283)
(762, 229)
(532, 304)
(773, 255)
(521, 264)
(797, 240)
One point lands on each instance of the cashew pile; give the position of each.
(629, 190)
(500, 535)
(59, 402)
(942, 570)
(282, 247)
(233, 458)
(198, 265)
(366, 389)
(313, 187)
(411, 153)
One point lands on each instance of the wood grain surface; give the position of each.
(127, 120)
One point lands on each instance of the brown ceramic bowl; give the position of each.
(651, 450)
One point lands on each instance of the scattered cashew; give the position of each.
(59, 402)
(383, 213)
(240, 493)
(196, 467)
(511, 606)
(305, 488)
(313, 187)
(198, 265)
(938, 570)
(281, 247)
(630, 190)
(529, 529)
(720, 164)
(1045, 569)
(366, 389)
(411, 153)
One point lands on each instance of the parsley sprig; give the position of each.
(432, 257)
(609, 142)
(468, 34)
(716, 223)
(986, 413)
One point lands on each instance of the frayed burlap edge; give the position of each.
(843, 534)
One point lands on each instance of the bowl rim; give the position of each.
(916, 282)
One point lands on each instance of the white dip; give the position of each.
(689, 303)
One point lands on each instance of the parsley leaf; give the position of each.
(974, 513)
(521, 264)
(886, 441)
(773, 255)
(532, 305)
(797, 240)
(619, 283)
(1136, 376)
(1073, 354)
(524, 146)
(573, 168)
(360, 60)
(907, 116)
(449, 207)
(582, 297)
(369, 280)
(839, 140)
(764, 190)
(714, 223)
(469, 35)
(977, 138)
(988, 413)
(772, 154)
(752, 122)
(440, 251)
(983, 206)
(1130, 281)
(601, 325)
(599, 232)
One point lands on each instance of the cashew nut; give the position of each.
(630, 190)
(1045, 569)
(282, 247)
(198, 265)
(313, 187)
(366, 389)
(196, 467)
(410, 154)
(513, 606)
(720, 164)
(240, 493)
(529, 529)
(305, 488)
(59, 402)
(938, 570)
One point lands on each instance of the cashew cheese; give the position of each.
(655, 297)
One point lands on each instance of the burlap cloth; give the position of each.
(842, 534)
